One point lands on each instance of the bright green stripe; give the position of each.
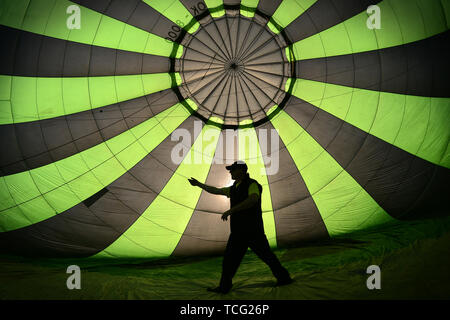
(288, 11)
(175, 11)
(158, 230)
(250, 3)
(32, 196)
(418, 125)
(250, 152)
(402, 21)
(42, 98)
(248, 8)
(215, 4)
(49, 17)
(343, 204)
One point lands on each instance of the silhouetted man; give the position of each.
(246, 224)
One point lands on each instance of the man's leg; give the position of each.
(235, 251)
(260, 246)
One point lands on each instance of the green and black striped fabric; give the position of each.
(88, 116)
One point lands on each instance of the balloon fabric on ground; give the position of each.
(95, 95)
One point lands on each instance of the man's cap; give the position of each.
(237, 164)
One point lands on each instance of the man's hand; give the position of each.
(194, 182)
(225, 215)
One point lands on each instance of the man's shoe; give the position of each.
(219, 290)
(283, 282)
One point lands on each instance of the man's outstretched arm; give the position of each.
(205, 187)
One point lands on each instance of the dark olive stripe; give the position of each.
(33, 55)
(323, 15)
(419, 68)
(133, 12)
(231, 3)
(84, 231)
(38, 143)
(206, 233)
(297, 218)
(268, 7)
(197, 8)
(397, 180)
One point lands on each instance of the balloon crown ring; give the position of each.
(233, 71)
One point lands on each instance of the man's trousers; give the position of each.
(237, 247)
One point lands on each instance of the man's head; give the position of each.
(238, 170)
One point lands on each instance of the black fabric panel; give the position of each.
(231, 2)
(394, 178)
(97, 5)
(148, 19)
(51, 57)
(103, 62)
(10, 39)
(82, 231)
(37, 143)
(34, 55)
(323, 15)
(268, 7)
(26, 59)
(11, 161)
(77, 60)
(133, 12)
(197, 8)
(122, 9)
(419, 68)
(95, 197)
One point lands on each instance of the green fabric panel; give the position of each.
(418, 125)
(23, 99)
(134, 40)
(131, 155)
(43, 98)
(49, 98)
(5, 87)
(175, 11)
(76, 96)
(250, 3)
(437, 137)
(248, 8)
(21, 187)
(86, 185)
(215, 4)
(49, 17)
(5, 112)
(47, 178)
(12, 13)
(446, 7)
(343, 204)
(61, 199)
(69, 181)
(156, 82)
(109, 33)
(250, 152)
(37, 15)
(37, 209)
(158, 230)
(402, 21)
(6, 200)
(13, 217)
(288, 11)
